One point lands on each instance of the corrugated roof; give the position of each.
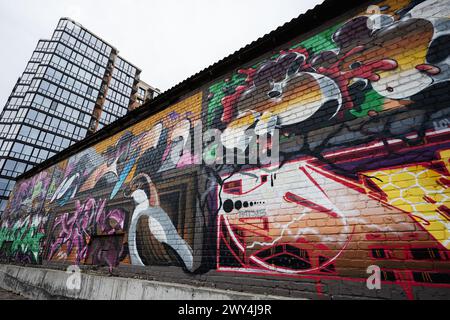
(306, 22)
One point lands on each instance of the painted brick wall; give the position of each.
(358, 112)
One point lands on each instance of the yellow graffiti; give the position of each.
(421, 191)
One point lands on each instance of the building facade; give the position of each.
(74, 84)
(145, 93)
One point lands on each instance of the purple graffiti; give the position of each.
(29, 195)
(76, 229)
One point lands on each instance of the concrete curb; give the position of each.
(46, 284)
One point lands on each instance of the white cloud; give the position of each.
(73, 11)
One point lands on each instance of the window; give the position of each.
(65, 37)
(40, 117)
(83, 132)
(77, 85)
(50, 72)
(70, 82)
(87, 38)
(35, 153)
(6, 187)
(60, 108)
(39, 99)
(80, 116)
(46, 103)
(75, 70)
(142, 93)
(83, 88)
(54, 105)
(21, 114)
(21, 90)
(48, 120)
(76, 30)
(3, 184)
(57, 142)
(24, 131)
(34, 133)
(42, 136)
(44, 86)
(20, 167)
(3, 205)
(65, 143)
(17, 147)
(87, 119)
(35, 84)
(63, 126)
(58, 76)
(52, 88)
(26, 78)
(79, 102)
(98, 82)
(65, 94)
(10, 165)
(43, 154)
(31, 116)
(27, 150)
(75, 114)
(55, 123)
(67, 51)
(73, 97)
(62, 64)
(32, 67)
(49, 138)
(72, 41)
(5, 148)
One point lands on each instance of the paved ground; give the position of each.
(5, 295)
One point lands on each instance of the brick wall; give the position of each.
(357, 112)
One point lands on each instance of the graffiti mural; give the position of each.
(347, 91)
(109, 196)
(22, 227)
(75, 228)
(358, 117)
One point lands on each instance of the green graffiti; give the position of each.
(24, 240)
(320, 42)
(52, 188)
(38, 188)
(217, 93)
(372, 102)
(210, 154)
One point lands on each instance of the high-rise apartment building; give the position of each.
(74, 84)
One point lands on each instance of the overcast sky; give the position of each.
(169, 40)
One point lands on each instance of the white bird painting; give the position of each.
(162, 228)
